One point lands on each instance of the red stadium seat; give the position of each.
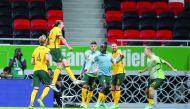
(160, 7)
(38, 24)
(128, 6)
(176, 7)
(144, 7)
(21, 24)
(148, 34)
(116, 33)
(164, 35)
(55, 14)
(113, 16)
(131, 34)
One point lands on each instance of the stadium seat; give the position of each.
(176, 7)
(18, 4)
(164, 35)
(130, 15)
(114, 25)
(5, 21)
(21, 13)
(180, 34)
(37, 13)
(21, 24)
(113, 16)
(128, 6)
(37, 4)
(144, 7)
(165, 24)
(148, 20)
(131, 34)
(6, 32)
(5, 3)
(160, 7)
(37, 24)
(37, 33)
(55, 14)
(147, 34)
(167, 15)
(21, 33)
(115, 33)
(131, 24)
(187, 6)
(112, 5)
(183, 15)
(182, 24)
(6, 11)
(54, 4)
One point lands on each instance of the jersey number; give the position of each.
(38, 58)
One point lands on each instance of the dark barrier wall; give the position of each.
(16, 93)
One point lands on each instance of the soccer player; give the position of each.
(118, 75)
(40, 60)
(105, 61)
(54, 39)
(90, 75)
(154, 68)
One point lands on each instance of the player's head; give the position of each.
(6, 70)
(114, 47)
(58, 23)
(148, 51)
(18, 52)
(42, 39)
(93, 46)
(103, 47)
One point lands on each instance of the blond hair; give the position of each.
(42, 39)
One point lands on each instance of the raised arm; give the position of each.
(65, 42)
(170, 66)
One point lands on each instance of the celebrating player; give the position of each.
(90, 75)
(154, 68)
(118, 75)
(40, 60)
(105, 61)
(54, 39)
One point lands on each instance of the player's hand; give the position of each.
(70, 48)
(175, 70)
(140, 71)
(122, 56)
(96, 71)
(81, 75)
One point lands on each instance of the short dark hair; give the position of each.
(7, 69)
(93, 42)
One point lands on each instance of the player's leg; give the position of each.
(92, 83)
(45, 79)
(57, 57)
(36, 83)
(113, 87)
(101, 79)
(154, 84)
(84, 89)
(119, 81)
(106, 90)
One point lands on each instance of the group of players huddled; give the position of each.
(97, 65)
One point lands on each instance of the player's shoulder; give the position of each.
(97, 53)
(87, 52)
(119, 51)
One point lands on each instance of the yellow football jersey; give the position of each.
(39, 57)
(118, 68)
(54, 40)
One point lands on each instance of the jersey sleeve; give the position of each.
(120, 52)
(162, 60)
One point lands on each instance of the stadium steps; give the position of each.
(84, 21)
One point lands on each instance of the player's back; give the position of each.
(53, 37)
(39, 56)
